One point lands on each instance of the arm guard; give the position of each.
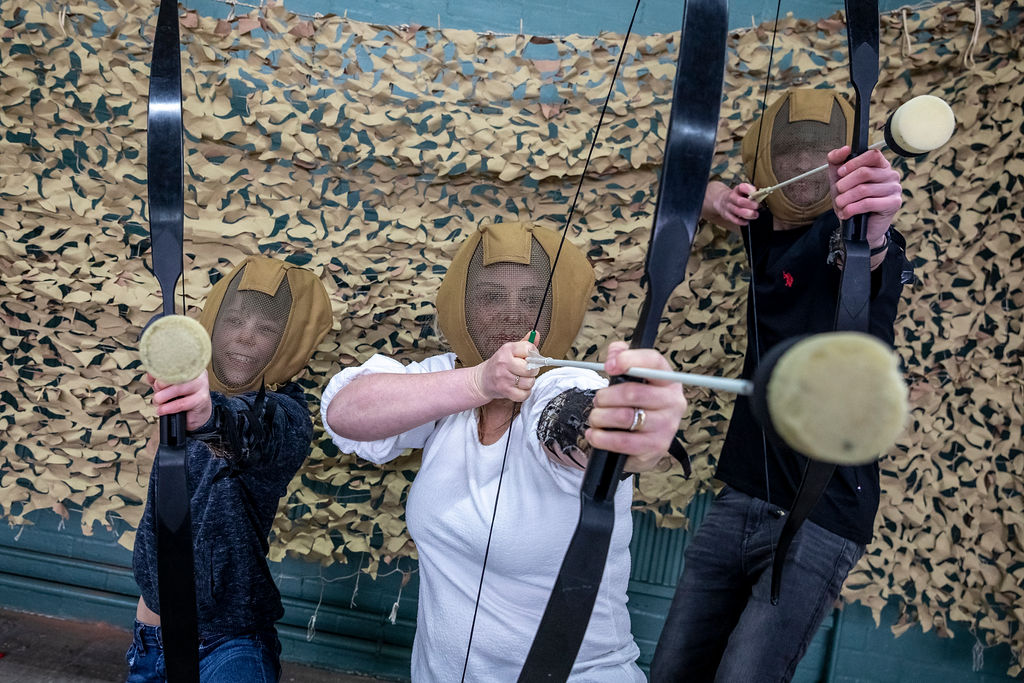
(562, 424)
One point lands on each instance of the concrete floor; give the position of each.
(38, 649)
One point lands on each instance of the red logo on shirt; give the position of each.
(788, 278)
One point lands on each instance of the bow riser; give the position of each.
(862, 32)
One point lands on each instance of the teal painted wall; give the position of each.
(52, 568)
(541, 17)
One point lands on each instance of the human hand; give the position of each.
(736, 206)
(506, 374)
(617, 407)
(865, 184)
(191, 398)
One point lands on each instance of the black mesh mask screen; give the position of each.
(502, 300)
(247, 331)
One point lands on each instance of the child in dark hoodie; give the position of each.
(265, 320)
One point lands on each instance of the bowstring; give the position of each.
(586, 164)
(540, 313)
(750, 248)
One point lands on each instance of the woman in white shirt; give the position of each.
(482, 416)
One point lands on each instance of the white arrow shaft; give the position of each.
(733, 386)
(764, 192)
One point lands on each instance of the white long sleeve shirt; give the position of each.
(449, 512)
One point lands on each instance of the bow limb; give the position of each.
(852, 305)
(164, 166)
(689, 149)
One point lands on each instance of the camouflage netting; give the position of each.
(365, 152)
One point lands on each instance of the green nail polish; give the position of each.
(533, 336)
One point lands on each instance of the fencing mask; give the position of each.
(265, 319)
(800, 129)
(495, 287)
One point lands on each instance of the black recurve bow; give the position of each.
(689, 148)
(164, 167)
(852, 305)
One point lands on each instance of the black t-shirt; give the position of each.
(796, 292)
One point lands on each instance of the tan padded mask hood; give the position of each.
(307, 319)
(804, 104)
(511, 243)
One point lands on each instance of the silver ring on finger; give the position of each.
(639, 417)
(516, 383)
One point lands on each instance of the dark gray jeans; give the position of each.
(722, 626)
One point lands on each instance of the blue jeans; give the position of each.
(722, 626)
(247, 658)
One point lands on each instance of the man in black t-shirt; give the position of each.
(722, 625)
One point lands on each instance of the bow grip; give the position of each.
(604, 469)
